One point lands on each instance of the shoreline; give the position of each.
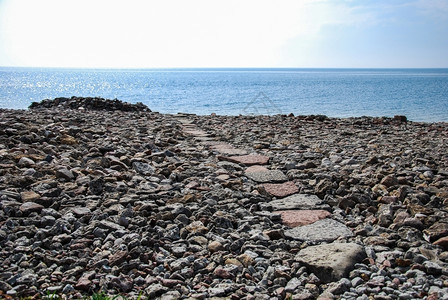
(196, 207)
(384, 119)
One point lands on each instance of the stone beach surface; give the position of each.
(101, 195)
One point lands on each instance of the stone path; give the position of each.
(308, 216)
(149, 204)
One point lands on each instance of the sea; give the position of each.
(419, 94)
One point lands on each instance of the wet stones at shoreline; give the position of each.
(148, 205)
(90, 103)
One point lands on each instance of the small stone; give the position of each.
(223, 273)
(196, 227)
(274, 234)
(215, 246)
(233, 261)
(155, 290)
(340, 287)
(293, 284)
(437, 231)
(143, 168)
(96, 186)
(83, 284)
(389, 181)
(29, 196)
(216, 292)
(388, 199)
(171, 282)
(64, 173)
(68, 288)
(29, 207)
(81, 211)
(442, 242)
(123, 283)
(68, 140)
(118, 258)
(432, 268)
(26, 162)
(246, 259)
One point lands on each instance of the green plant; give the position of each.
(52, 296)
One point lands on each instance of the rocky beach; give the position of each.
(100, 195)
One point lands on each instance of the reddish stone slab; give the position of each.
(280, 189)
(248, 160)
(294, 218)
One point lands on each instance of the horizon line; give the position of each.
(222, 68)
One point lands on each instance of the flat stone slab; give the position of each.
(248, 160)
(326, 230)
(280, 190)
(255, 168)
(331, 262)
(228, 149)
(267, 176)
(196, 132)
(299, 201)
(294, 218)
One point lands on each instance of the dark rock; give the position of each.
(90, 103)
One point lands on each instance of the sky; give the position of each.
(224, 33)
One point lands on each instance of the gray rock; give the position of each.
(65, 174)
(331, 262)
(299, 201)
(81, 211)
(293, 284)
(339, 287)
(123, 283)
(143, 168)
(96, 185)
(216, 292)
(155, 290)
(267, 176)
(432, 268)
(325, 230)
(26, 162)
(171, 295)
(109, 225)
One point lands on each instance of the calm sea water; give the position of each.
(420, 94)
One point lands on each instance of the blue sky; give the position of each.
(230, 33)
